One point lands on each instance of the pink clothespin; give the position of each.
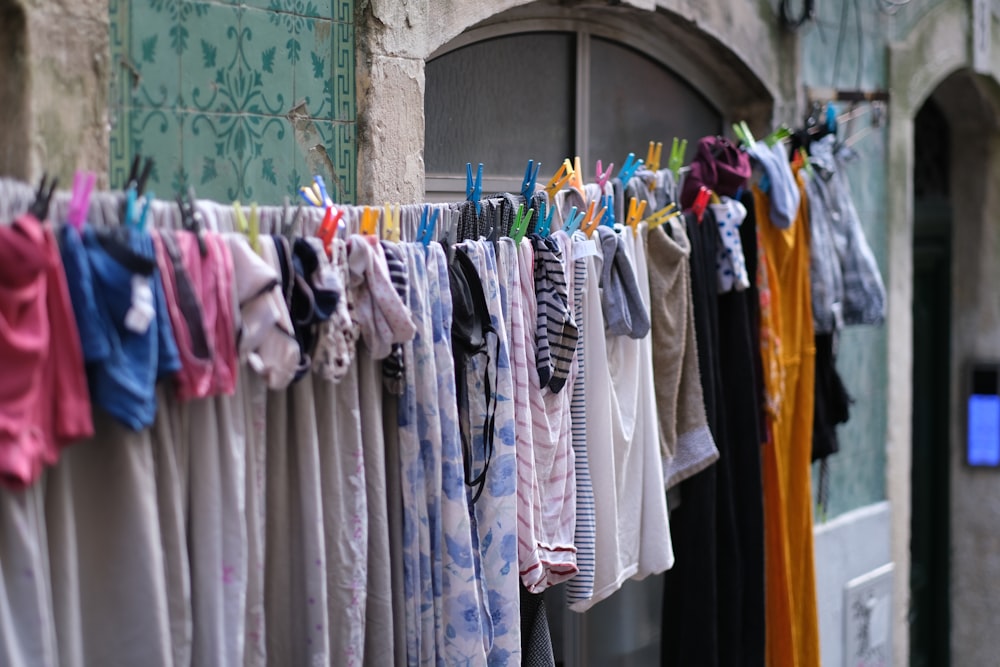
(83, 186)
(603, 176)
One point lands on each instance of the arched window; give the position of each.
(546, 95)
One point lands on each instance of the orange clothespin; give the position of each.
(592, 219)
(576, 178)
(653, 155)
(634, 215)
(369, 221)
(559, 180)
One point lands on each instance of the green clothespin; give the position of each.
(743, 133)
(521, 222)
(779, 134)
(677, 150)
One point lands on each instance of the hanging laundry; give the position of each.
(731, 267)
(847, 286)
(125, 289)
(45, 404)
(782, 187)
(717, 165)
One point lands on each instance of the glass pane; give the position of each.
(492, 102)
(635, 100)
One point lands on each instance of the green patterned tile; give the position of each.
(154, 53)
(268, 84)
(237, 156)
(342, 73)
(210, 58)
(343, 11)
(289, 10)
(157, 133)
(313, 84)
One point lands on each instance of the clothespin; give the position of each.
(83, 185)
(576, 177)
(191, 219)
(328, 228)
(474, 190)
(780, 134)
(701, 202)
(662, 216)
(559, 180)
(254, 235)
(529, 180)
(629, 168)
(310, 196)
(653, 155)
(574, 220)
(743, 133)
(677, 150)
(369, 221)
(428, 220)
(806, 164)
(609, 207)
(543, 225)
(321, 188)
(242, 226)
(714, 198)
(148, 197)
(137, 177)
(592, 220)
(634, 215)
(128, 218)
(288, 225)
(831, 118)
(390, 227)
(521, 222)
(43, 197)
(602, 176)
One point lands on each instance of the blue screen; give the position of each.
(984, 430)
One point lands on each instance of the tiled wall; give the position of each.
(243, 100)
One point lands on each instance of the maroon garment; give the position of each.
(720, 166)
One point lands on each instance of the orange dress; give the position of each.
(788, 353)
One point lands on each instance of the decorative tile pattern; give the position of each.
(242, 100)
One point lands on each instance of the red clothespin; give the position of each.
(701, 202)
(328, 228)
(602, 176)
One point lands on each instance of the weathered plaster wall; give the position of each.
(58, 60)
(737, 52)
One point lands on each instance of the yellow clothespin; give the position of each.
(634, 215)
(369, 221)
(390, 223)
(653, 155)
(254, 227)
(242, 226)
(561, 178)
(662, 216)
(576, 177)
(310, 193)
(714, 198)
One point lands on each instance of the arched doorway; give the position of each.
(929, 617)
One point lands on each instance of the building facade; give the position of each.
(246, 100)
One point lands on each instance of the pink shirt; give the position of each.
(44, 402)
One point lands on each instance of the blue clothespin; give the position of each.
(530, 179)
(574, 220)
(428, 220)
(145, 210)
(474, 191)
(543, 225)
(609, 211)
(322, 190)
(831, 118)
(630, 166)
(131, 194)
